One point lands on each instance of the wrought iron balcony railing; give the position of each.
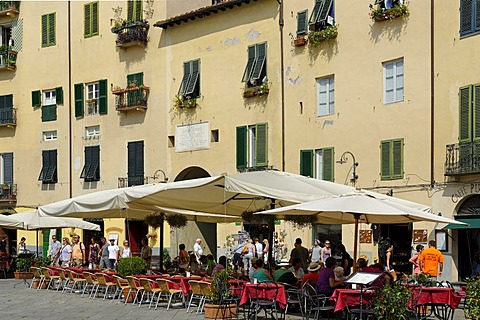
(124, 182)
(462, 158)
(8, 117)
(133, 98)
(131, 33)
(8, 192)
(8, 58)
(9, 8)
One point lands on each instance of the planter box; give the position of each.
(299, 42)
(23, 275)
(212, 309)
(131, 297)
(36, 282)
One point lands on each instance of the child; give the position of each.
(338, 273)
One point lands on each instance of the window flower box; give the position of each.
(185, 102)
(256, 91)
(317, 37)
(381, 14)
(300, 41)
(131, 98)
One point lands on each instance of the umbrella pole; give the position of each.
(355, 242)
(162, 229)
(271, 231)
(37, 241)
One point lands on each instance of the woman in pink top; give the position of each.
(414, 259)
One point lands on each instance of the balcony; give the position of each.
(9, 9)
(131, 181)
(8, 117)
(8, 58)
(132, 98)
(8, 194)
(462, 158)
(131, 33)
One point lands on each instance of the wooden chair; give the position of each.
(121, 284)
(206, 289)
(90, 281)
(37, 275)
(132, 282)
(148, 287)
(170, 293)
(49, 277)
(63, 280)
(196, 294)
(104, 283)
(74, 279)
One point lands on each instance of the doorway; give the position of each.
(89, 234)
(401, 236)
(136, 230)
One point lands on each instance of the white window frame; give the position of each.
(252, 143)
(49, 97)
(325, 96)
(50, 135)
(92, 132)
(319, 164)
(393, 81)
(91, 98)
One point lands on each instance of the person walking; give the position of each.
(78, 253)
(93, 257)
(414, 260)
(300, 252)
(248, 254)
(315, 252)
(146, 252)
(125, 251)
(104, 254)
(183, 258)
(65, 253)
(431, 261)
(197, 250)
(325, 252)
(112, 254)
(55, 251)
(259, 248)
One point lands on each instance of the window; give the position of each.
(49, 106)
(49, 97)
(134, 10)
(256, 70)
(325, 96)
(92, 132)
(190, 85)
(136, 170)
(6, 163)
(469, 110)
(48, 174)
(317, 163)
(49, 135)
(90, 20)
(91, 169)
(134, 81)
(469, 17)
(322, 15)
(391, 154)
(48, 30)
(91, 98)
(393, 81)
(252, 146)
(6, 109)
(302, 22)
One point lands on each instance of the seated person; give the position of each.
(362, 266)
(326, 279)
(222, 264)
(297, 269)
(261, 274)
(338, 271)
(284, 275)
(312, 275)
(210, 264)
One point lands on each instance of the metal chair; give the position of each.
(149, 288)
(170, 293)
(121, 284)
(132, 282)
(91, 281)
(75, 279)
(315, 302)
(294, 296)
(37, 275)
(104, 283)
(258, 303)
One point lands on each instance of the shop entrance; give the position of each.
(256, 230)
(401, 236)
(136, 230)
(89, 234)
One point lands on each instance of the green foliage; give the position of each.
(167, 260)
(131, 265)
(249, 216)
(176, 220)
(301, 221)
(219, 286)
(391, 303)
(24, 264)
(42, 262)
(380, 14)
(260, 90)
(472, 299)
(155, 220)
(184, 102)
(423, 279)
(317, 37)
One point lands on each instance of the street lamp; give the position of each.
(344, 159)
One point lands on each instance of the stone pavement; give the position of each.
(24, 303)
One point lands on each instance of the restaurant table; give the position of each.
(442, 302)
(341, 296)
(183, 283)
(265, 291)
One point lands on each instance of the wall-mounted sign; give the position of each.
(365, 236)
(420, 235)
(195, 136)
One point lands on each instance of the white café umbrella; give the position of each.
(9, 223)
(358, 207)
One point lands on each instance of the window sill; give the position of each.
(393, 102)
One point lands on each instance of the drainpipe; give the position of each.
(70, 125)
(432, 93)
(282, 81)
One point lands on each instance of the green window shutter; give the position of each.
(46, 241)
(306, 163)
(302, 24)
(476, 111)
(465, 98)
(397, 155)
(44, 30)
(250, 62)
(36, 98)
(316, 11)
(324, 11)
(87, 22)
(466, 16)
(385, 161)
(51, 29)
(328, 162)
(94, 173)
(79, 98)
(187, 72)
(192, 84)
(59, 95)
(136, 163)
(94, 19)
(130, 8)
(87, 163)
(241, 147)
(49, 113)
(261, 54)
(103, 96)
(138, 10)
(262, 144)
(135, 79)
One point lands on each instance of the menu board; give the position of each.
(363, 278)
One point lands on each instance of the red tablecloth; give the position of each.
(435, 295)
(183, 283)
(352, 297)
(235, 285)
(265, 291)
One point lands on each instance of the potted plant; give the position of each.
(391, 303)
(220, 291)
(42, 262)
(5, 186)
(317, 37)
(176, 220)
(23, 266)
(299, 41)
(472, 299)
(131, 266)
(381, 14)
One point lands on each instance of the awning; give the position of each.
(472, 224)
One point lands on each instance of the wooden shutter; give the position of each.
(87, 164)
(103, 96)
(397, 155)
(187, 73)
(192, 83)
(50, 174)
(94, 19)
(7, 168)
(36, 98)
(135, 163)
(316, 11)
(59, 95)
(324, 11)
(130, 8)
(79, 99)
(385, 161)
(466, 16)
(476, 111)
(87, 22)
(465, 98)
(306, 163)
(302, 22)
(250, 63)
(328, 162)
(51, 29)
(44, 30)
(94, 173)
(138, 10)
(241, 147)
(261, 57)
(261, 144)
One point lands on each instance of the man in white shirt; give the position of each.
(259, 248)
(197, 249)
(112, 253)
(55, 251)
